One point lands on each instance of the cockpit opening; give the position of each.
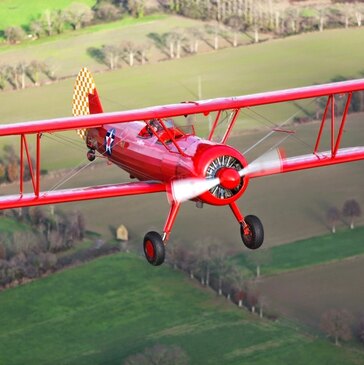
(165, 130)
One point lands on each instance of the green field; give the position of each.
(8, 225)
(116, 306)
(310, 252)
(21, 13)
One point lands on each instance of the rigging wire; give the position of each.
(276, 126)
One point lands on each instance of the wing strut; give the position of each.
(35, 176)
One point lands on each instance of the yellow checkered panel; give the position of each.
(84, 86)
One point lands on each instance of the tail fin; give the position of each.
(85, 98)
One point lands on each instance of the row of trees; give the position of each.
(337, 325)
(10, 166)
(279, 17)
(30, 251)
(350, 210)
(173, 44)
(23, 74)
(258, 16)
(75, 17)
(211, 266)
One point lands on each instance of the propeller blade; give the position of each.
(270, 161)
(186, 189)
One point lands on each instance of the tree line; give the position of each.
(267, 16)
(30, 251)
(75, 16)
(213, 268)
(337, 324)
(279, 18)
(20, 75)
(10, 166)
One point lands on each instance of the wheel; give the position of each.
(154, 249)
(253, 232)
(91, 155)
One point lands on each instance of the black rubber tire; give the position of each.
(154, 248)
(256, 237)
(91, 155)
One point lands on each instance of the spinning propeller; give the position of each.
(229, 178)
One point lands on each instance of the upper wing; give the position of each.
(336, 155)
(174, 110)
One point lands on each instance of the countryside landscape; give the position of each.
(71, 293)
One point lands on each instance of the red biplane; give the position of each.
(165, 158)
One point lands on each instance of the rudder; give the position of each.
(85, 99)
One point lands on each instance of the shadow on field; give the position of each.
(159, 41)
(323, 206)
(96, 54)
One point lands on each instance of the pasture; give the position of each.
(313, 251)
(116, 306)
(305, 295)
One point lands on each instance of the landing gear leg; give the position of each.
(154, 243)
(251, 228)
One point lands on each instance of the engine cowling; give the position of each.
(224, 162)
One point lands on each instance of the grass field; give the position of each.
(310, 252)
(76, 46)
(21, 13)
(116, 306)
(305, 295)
(8, 225)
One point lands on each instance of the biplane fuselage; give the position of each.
(156, 157)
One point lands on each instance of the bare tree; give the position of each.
(21, 69)
(47, 22)
(214, 30)
(59, 20)
(222, 269)
(262, 302)
(351, 209)
(238, 285)
(358, 10)
(131, 49)
(33, 71)
(107, 11)
(36, 29)
(3, 77)
(111, 56)
(333, 216)
(78, 15)
(14, 35)
(235, 23)
(143, 50)
(259, 258)
(207, 252)
(194, 35)
(336, 324)
(159, 355)
(252, 295)
(170, 41)
(179, 38)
